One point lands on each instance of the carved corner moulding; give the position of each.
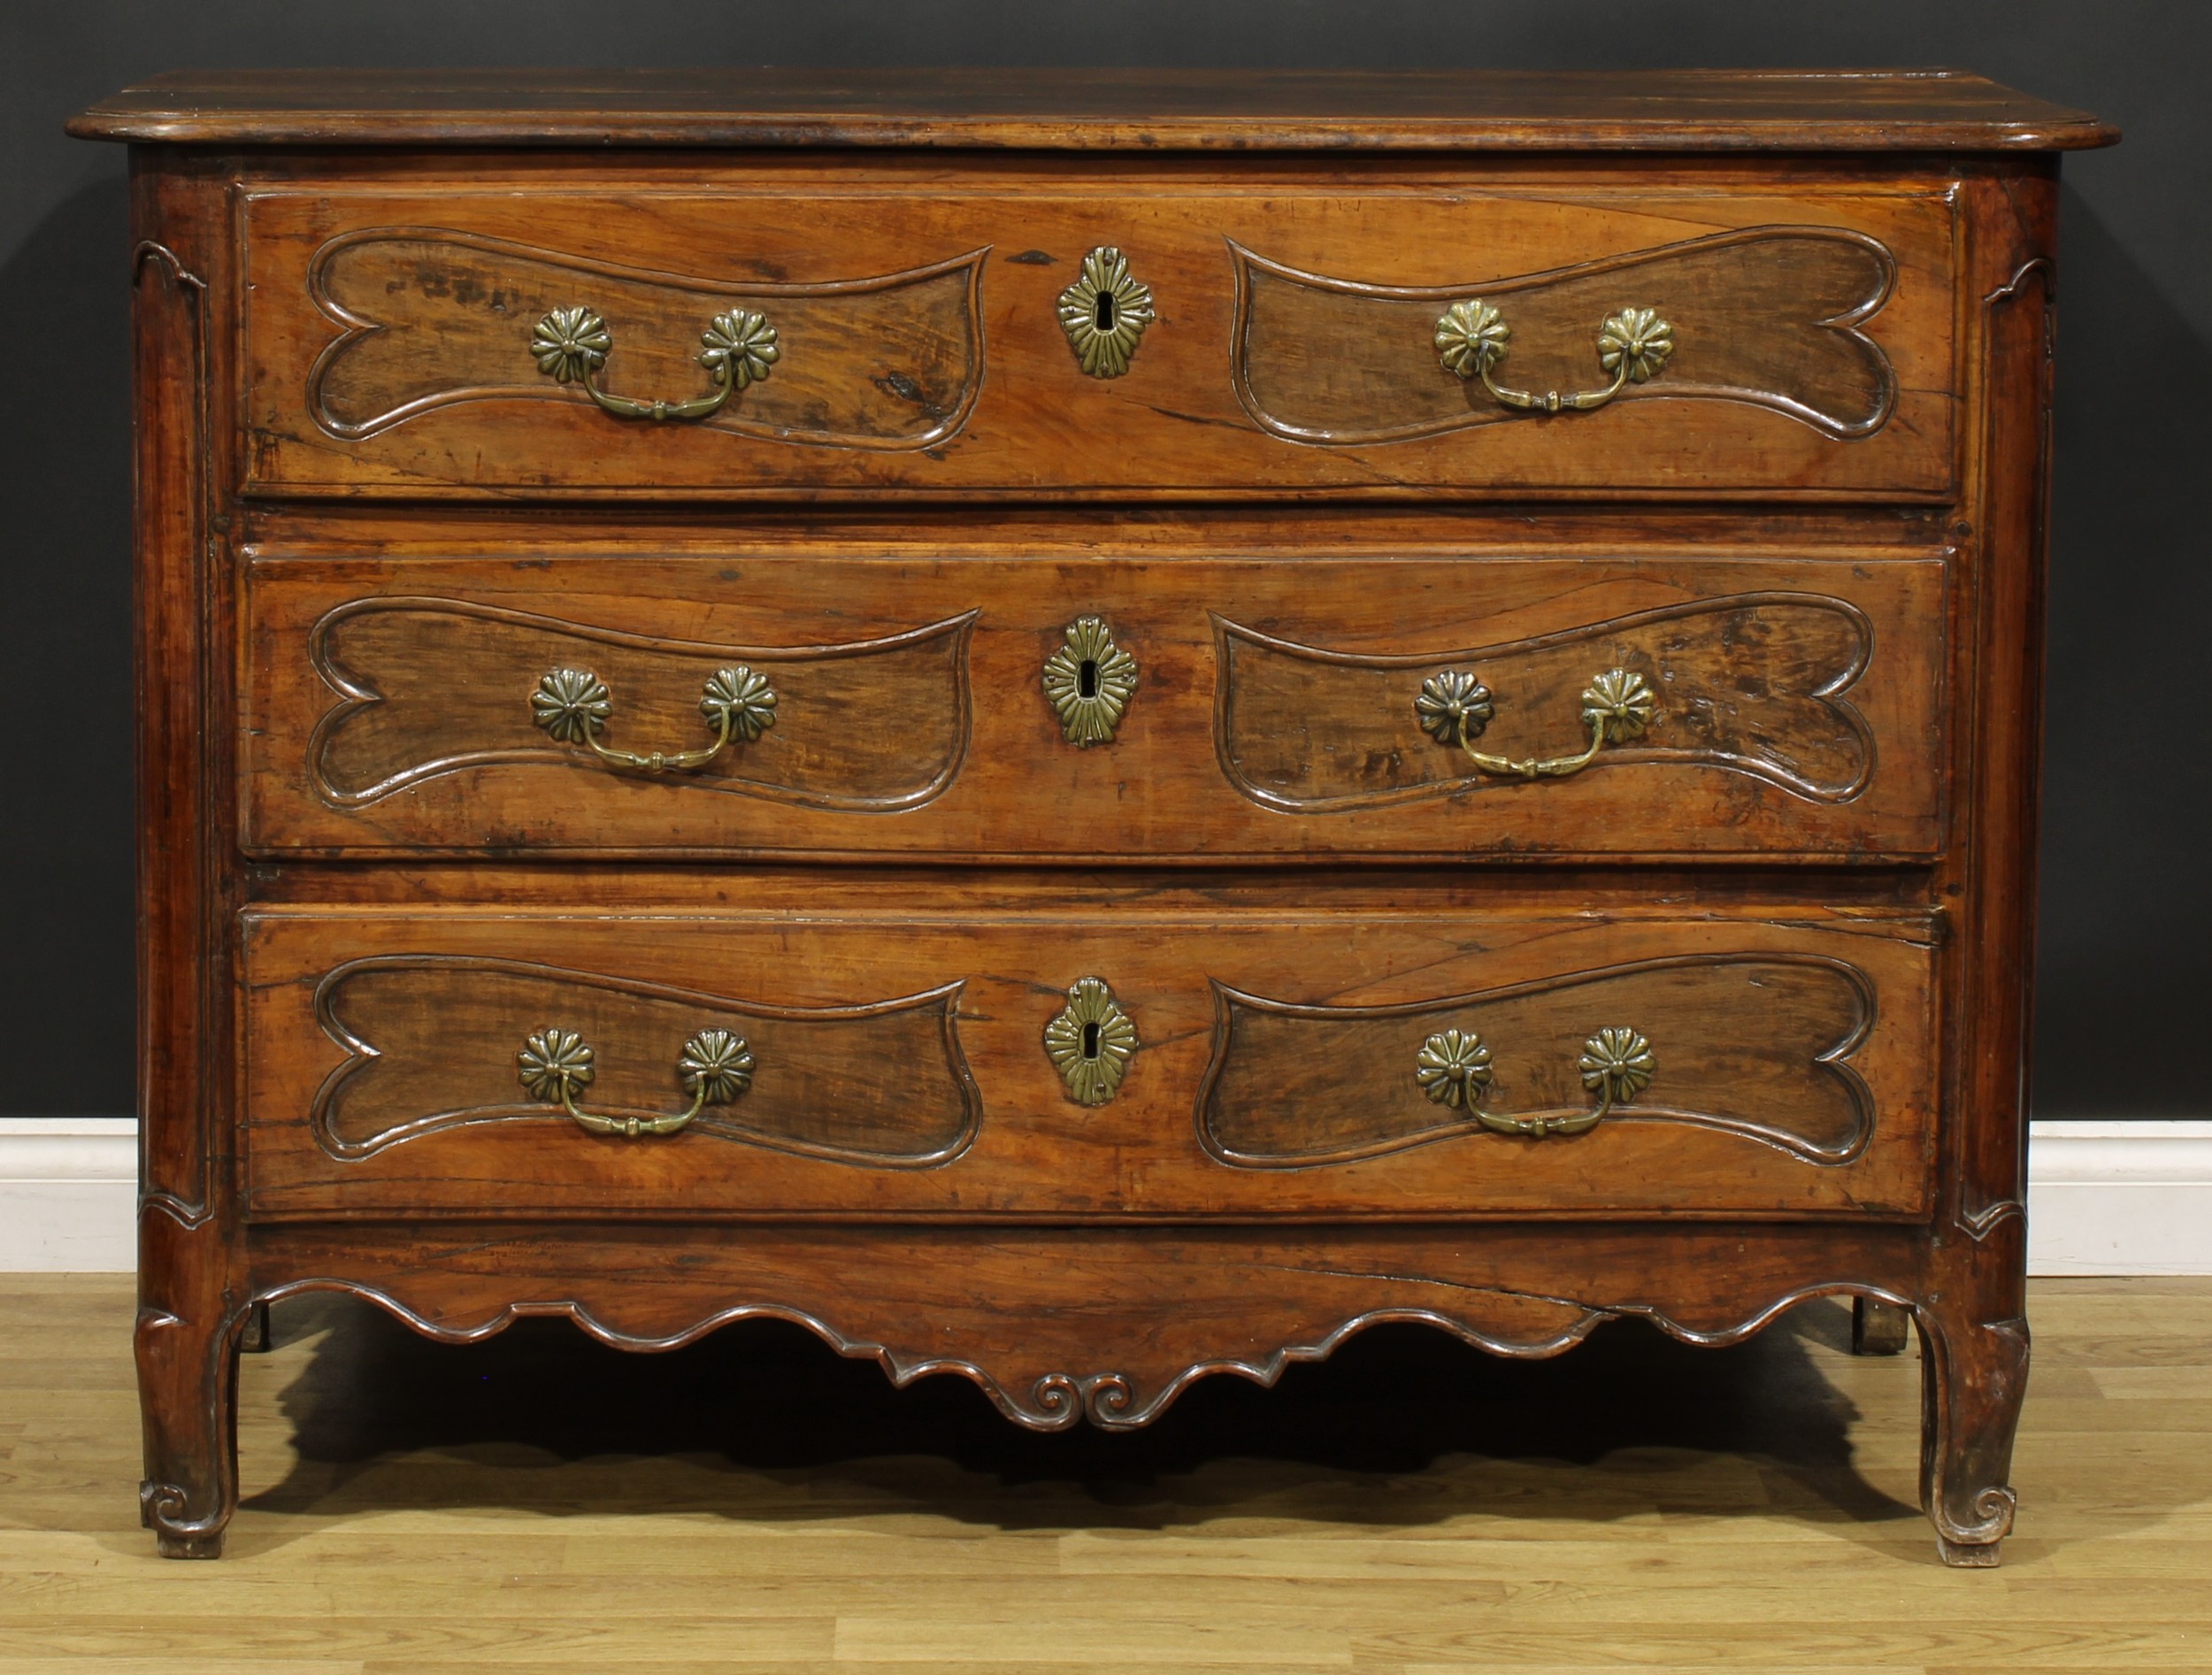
(1342, 715)
(1429, 401)
(927, 1107)
(1979, 1216)
(490, 369)
(185, 1200)
(1248, 1094)
(911, 775)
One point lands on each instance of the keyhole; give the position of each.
(1090, 1040)
(1087, 678)
(1102, 311)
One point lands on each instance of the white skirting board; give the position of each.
(2117, 1198)
(68, 1194)
(2103, 1198)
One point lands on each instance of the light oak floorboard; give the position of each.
(1412, 1508)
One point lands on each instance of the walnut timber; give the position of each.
(1087, 730)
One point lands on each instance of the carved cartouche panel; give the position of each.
(432, 316)
(1766, 315)
(1749, 683)
(431, 687)
(432, 1045)
(1753, 1043)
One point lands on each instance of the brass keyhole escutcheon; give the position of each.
(1104, 314)
(1091, 1043)
(1089, 681)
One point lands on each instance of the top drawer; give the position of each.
(930, 332)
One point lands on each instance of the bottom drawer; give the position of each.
(1124, 1061)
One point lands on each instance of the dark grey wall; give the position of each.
(2127, 937)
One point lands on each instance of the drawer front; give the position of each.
(938, 330)
(937, 706)
(1091, 1061)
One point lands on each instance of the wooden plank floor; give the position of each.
(754, 1504)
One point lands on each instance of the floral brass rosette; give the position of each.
(716, 1067)
(1453, 706)
(1617, 1065)
(570, 705)
(1452, 1069)
(740, 346)
(738, 702)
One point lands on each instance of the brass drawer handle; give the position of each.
(1472, 338)
(1090, 1042)
(1455, 707)
(1452, 1069)
(573, 705)
(555, 1065)
(572, 344)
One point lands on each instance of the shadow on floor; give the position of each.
(1403, 1427)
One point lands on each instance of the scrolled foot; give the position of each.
(187, 1383)
(162, 1508)
(1979, 1555)
(1974, 1372)
(188, 1547)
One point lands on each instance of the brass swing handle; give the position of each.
(1455, 707)
(555, 1065)
(573, 705)
(1452, 1069)
(1472, 338)
(572, 344)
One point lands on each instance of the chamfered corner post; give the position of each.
(192, 1298)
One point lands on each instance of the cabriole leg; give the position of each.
(187, 1345)
(1974, 1372)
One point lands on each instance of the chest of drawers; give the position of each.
(1088, 730)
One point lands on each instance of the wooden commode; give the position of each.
(1088, 729)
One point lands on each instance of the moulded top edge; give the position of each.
(1119, 110)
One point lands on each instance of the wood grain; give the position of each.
(433, 1042)
(1766, 875)
(1767, 316)
(1753, 683)
(1148, 110)
(452, 404)
(1801, 700)
(437, 685)
(1410, 1505)
(433, 317)
(1293, 1085)
(446, 1130)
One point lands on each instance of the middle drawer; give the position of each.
(1097, 709)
